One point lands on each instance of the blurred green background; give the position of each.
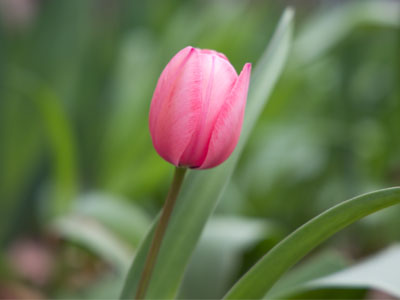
(80, 181)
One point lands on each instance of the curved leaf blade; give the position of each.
(202, 189)
(259, 279)
(322, 264)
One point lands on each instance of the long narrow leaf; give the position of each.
(257, 282)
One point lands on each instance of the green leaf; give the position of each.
(125, 219)
(59, 137)
(90, 234)
(380, 272)
(61, 141)
(106, 287)
(202, 189)
(217, 258)
(120, 154)
(258, 280)
(19, 158)
(325, 263)
(328, 27)
(106, 225)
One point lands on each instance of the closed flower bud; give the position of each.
(197, 109)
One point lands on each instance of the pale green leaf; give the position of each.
(123, 218)
(380, 272)
(217, 258)
(91, 235)
(325, 263)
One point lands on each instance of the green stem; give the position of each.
(159, 232)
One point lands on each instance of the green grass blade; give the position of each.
(202, 189)
(257, 282)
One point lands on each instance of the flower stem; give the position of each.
(160, 231)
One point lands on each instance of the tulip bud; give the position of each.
(197, 109)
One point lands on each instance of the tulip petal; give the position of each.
(164, 85)
(218, 79)
(213, 52)
(226, 131)
(176, 105)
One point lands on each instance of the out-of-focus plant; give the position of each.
(255, 284)
(80, 182)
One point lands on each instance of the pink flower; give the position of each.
(197, 109)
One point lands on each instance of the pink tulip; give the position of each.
(197, 109)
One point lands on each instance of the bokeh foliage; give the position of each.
(76, 79)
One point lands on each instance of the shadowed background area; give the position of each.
(80, 181)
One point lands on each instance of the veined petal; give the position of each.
(176, 105)
(218, 79)
(226, 131)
